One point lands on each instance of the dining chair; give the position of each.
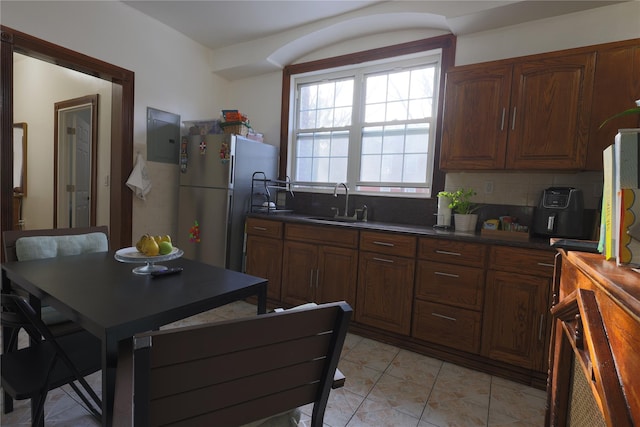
(49, 362)
(234, 372)
(24, 245)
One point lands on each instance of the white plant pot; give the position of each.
(465, 222)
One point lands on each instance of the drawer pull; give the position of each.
(383, 244)
(259, 228)
(448, 253)
(383, 260)
(440, 273)
(442, 316)
(545, 264)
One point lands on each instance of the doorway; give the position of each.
(121, 204)
(75, 151)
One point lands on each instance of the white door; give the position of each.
(82, 196)
(74, 168)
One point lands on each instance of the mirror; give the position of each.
(20, 159)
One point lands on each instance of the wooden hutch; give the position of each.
(595, 345)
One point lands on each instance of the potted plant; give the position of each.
(634, 110)
(463, 208)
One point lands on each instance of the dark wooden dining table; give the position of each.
(107, 299)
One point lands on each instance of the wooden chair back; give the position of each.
(10, 237)
(234, 372)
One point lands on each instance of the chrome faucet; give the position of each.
(346, 196)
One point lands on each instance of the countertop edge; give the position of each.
(540, 243)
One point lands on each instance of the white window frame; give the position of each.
(359, 71)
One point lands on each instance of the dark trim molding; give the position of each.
(121, 205)
(446, 42)
(92, 100)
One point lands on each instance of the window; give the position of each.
(371, 125)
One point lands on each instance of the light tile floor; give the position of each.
(385, 386)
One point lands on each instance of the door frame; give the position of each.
(90, 101)
(122, 96)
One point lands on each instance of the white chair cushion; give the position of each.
(39, 247)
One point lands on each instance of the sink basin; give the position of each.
(334, 219)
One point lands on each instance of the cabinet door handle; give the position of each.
(540, 327)
(545, 264)
(383, 244)
(317, 272)
(448, 253)
(383, 260)
(513, 119)
(502, 121)
(259, 228)
(442, 316)
(440, 273)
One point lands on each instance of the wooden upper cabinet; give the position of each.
(615, 89)
(474, 132)
(550, 111)
(530, 113)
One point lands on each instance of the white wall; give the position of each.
(601, 25)
(171, 74)
(594, 26)
(37, 86)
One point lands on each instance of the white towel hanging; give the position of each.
(139, 181)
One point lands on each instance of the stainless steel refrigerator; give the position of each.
(215, 193)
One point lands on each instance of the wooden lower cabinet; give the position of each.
(385, 292)
(300, 262)
(264, 253)
(385, 281)
(318, 273)
(482, 304)
(264, 259)
(449, 293)
(449, 326)
(515, 319)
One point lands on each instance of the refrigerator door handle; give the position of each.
(231, 166)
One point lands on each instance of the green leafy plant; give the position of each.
(634, 110)
(460, 200)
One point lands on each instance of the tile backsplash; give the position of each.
(514, 194)
(525, 188)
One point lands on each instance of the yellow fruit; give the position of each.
(150, 247)
(166, 238)
(165, 248)
(141, 241)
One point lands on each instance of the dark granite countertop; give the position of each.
(416, 230)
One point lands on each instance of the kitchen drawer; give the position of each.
(328, 235)
(265, 228)
(449, 326)
(524, 261)
(388, 243)
(450, 284)
(453, 252)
